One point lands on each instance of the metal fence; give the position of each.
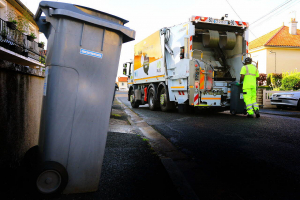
(266, 98)
(18, 42)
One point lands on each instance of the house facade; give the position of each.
(122, 83)
(21, 82)
(277, 51)
(19, 35)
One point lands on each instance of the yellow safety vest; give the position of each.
(250, 72)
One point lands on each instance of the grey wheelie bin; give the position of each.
(237, 104)
(83, 54)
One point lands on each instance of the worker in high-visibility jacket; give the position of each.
(249, 74)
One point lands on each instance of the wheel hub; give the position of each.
(48, 181)
(131, 98)
(150, 101)
(162, 99)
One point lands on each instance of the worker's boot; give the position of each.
(257, 113)
(250, 116)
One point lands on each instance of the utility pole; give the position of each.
(275, 59)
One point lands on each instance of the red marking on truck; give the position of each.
(196, 97)
(238, 23)
(145, 96)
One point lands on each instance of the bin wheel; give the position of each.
(233, 112)
(52, 178)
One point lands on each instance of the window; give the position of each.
(122, 84)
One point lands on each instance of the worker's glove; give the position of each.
(237, 83)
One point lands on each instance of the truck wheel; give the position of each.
(133, 101)
(151, 98)
(52, 178)
(164, 102)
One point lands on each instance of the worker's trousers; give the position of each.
(250, 100)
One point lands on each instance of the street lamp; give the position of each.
(275, 59)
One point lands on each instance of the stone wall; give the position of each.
(21, 91)
(259, 96)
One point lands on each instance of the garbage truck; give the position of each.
(188, 65)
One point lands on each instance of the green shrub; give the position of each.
(42, 60)
(32, 35)
(265, 87)
(291, 82)
(278, 89)
(274, 80)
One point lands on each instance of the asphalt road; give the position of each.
(236, 157)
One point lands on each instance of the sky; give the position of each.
(147, 17)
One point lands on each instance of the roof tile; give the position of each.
(279, 37)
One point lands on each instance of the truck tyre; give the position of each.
(153, 104)
(164, 102)
(133, 101)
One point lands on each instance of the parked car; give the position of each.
(116, 87)
(286, 99)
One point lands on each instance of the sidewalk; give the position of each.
(131, 169)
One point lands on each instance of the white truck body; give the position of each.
(194, 61)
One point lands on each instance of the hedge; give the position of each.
(291, 82)
(274, 80)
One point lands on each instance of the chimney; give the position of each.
(293, 27)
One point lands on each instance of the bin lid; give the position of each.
(87, 15)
